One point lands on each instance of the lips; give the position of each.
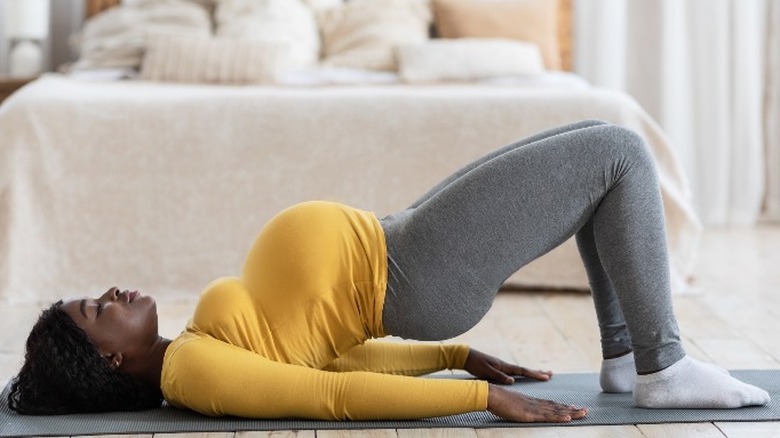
(131, 296)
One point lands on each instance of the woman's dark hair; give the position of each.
(63, 373)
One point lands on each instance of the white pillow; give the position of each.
(117, 37)
(287, 22)
(208, 4)
(364, 33)
(318, 5)
(211, 60)
(466, 59)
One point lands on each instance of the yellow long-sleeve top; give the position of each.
(288, 337)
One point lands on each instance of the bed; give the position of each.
(162, 187)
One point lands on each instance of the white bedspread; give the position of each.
(163, 187)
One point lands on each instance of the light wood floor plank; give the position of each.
(770, 345)
(563, 432)
(278, 434)
(196, 435)
(693, 350)
(368, 433)
(769, 429)
(114, 436)
(737, 354)
(689, 430)
(436, 433)
(10, 363)
(14, 318)
(574, 317)
(176, 316)
(488, 338)
(698, 321)
(536, 342)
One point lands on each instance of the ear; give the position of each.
(114, 360)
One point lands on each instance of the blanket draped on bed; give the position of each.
(163, 187)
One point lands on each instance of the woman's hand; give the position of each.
(492, 369)
(513, 406)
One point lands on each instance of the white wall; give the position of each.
(66, 17)
(27, 18)
(3, 41)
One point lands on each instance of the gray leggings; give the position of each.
(451, 250)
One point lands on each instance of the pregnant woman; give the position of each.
(293, 335)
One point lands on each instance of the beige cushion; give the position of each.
(287, 22)
(208, 4)
(535, 21)
(364, 33)
(468, 59)
(117, 37)
(211, 60)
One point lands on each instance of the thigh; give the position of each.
(541, 136)
(453, 251)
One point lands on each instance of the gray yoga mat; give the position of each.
(576, 389)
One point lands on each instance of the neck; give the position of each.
(154, 363)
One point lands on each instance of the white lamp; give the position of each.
(27, 27)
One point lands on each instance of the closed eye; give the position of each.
(99, 309)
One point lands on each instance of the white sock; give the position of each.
(618, 374)
(711, 365)
(692, 384)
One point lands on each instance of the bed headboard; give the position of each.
(565, 25)
(566, 33)
(98, 6)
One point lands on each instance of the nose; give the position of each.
(112, 294)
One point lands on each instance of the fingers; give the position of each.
(515, 406)
(499, 376)
(548, 411)
(507, 379)
(496, 370)
(525, 372)
(537, 374)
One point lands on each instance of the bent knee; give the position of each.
(622, 151)
(593, 122)
(628, 144)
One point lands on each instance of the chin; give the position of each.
(145, 305)
(149, 301)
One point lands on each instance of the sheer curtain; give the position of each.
(772, 114)
(699, 67)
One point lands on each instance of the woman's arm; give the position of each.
(215, 378)
(404, 358)
(417, 359)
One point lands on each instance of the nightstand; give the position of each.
(9, 85)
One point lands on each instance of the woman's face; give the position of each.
(121, 324)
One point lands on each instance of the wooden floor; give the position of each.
(733, 321)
